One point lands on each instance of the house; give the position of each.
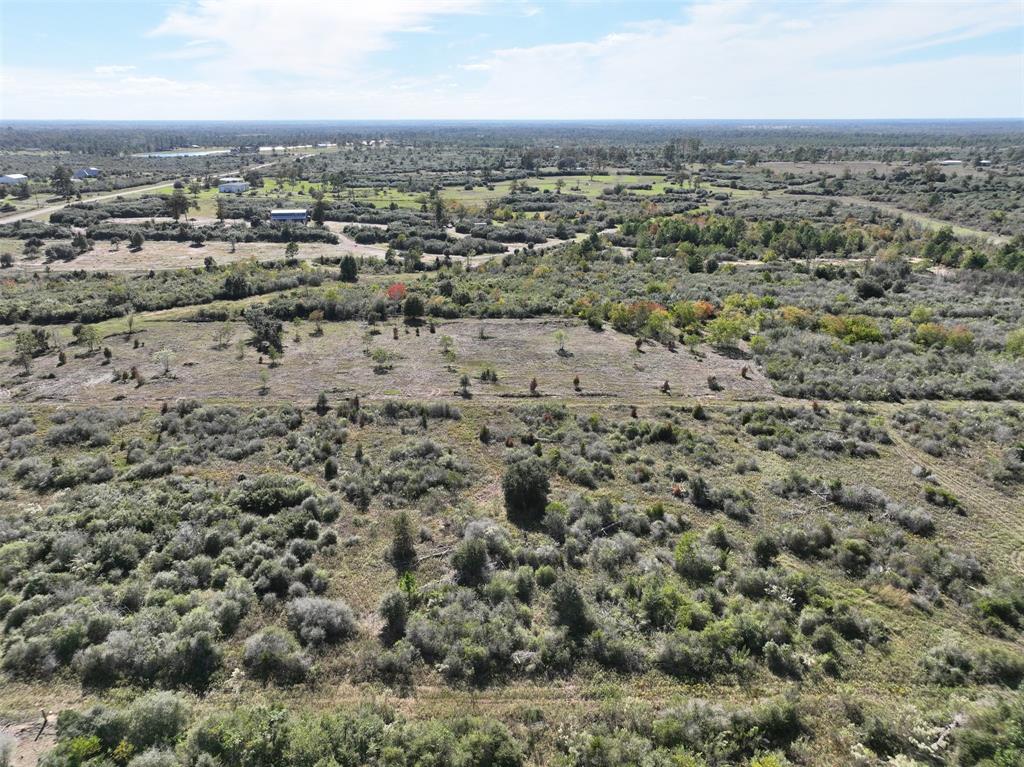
(233, 184)
(952, 162)
(87, 173)
(13, 178)
(289, 214)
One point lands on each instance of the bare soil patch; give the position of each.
(410, 367)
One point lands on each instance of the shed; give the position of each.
(87, 173)
(13, 178)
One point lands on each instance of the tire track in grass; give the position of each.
(1000, 521)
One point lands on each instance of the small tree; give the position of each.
(137, 240)
(267, 330)
(413, 308)
(177, 204)
(349, 268)
(90, 336)
(291, 250)
(222, 337)
(403, 542)
(60, 181)
(317, 318)
(525, 486)
(165, 357)
(560, 337)
(319, 212)
(447, 348)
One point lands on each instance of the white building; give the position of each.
(87, 173)
(233, 184)
(13, 178)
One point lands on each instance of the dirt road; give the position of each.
(47, 210)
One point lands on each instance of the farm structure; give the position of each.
(233, 184)
(289, 214)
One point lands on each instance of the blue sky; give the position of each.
(518, 59)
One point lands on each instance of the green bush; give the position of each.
(525, 486)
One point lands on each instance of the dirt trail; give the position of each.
(927, 221)
(999, 521)
(29, 744)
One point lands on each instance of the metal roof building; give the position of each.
(289, 214)
(233, 184)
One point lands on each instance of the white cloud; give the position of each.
(741, 59)
(310, 38)
(113, 69)
(746, 59)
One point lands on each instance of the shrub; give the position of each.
(412, 308)
(272, 655)
(394, 609)
(403, 542)
(917, 521)
(546, 576)
(471, 561)
(155, 757)
(693, 561)
(766, 549)
(270, 493)
(157, 719)
(571, 609)
(319, 621)
(1015, 343)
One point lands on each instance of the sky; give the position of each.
(510, 59)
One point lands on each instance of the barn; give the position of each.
(13, 178)
(87, 173)
(289, 214)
